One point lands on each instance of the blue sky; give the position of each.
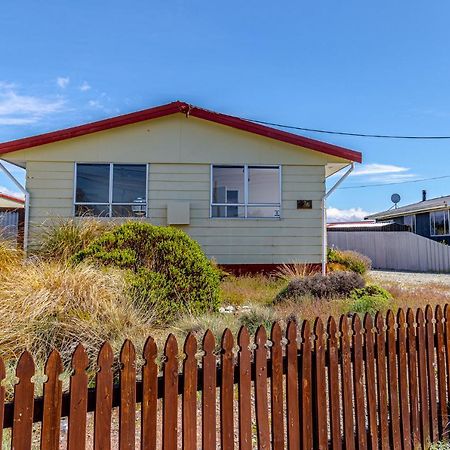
(371, 67)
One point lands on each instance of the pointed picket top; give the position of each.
(291, 332)
(401, 318)
(227, 341)
(190, 346)
(332, 328)
(25, 367)
(105, 357)
(261, 337)
(419, 316)
(446, 311)
(438, 314)
(356, 324)
(318, 328)
(2, 370)
(54, 363)
(80, 360)
(171, 346)
(390, 319)
(410, 317)
(379, 322)
(306, 330)
(209, 342)
(150, 351)
(429, 313)
(344, 326)
(243, 338)
(276, 334)
(128, 354)
(368, 323)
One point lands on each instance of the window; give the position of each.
(245, 192)
(411, 222)
(111, 190)
(439, 222)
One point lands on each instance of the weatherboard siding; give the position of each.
(180, 152)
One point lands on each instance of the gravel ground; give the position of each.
(410, 278)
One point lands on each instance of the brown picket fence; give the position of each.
(348, 384)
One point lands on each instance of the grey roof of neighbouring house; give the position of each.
(414, 208)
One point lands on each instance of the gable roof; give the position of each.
(423, 206)
(188, 110)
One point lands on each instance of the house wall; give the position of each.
(180, 152)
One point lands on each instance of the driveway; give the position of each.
(411, 278)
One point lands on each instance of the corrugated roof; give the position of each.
(414, 208)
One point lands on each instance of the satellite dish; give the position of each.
(395, 198)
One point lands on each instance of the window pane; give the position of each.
(411, 222)
(263, 211)
(263, 185)
(228, 184)
(92, 210)
(228, 211)
(129, 182)
(92, 183)
(138, 210)
(439, 223)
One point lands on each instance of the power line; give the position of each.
(344, 133)
(398, 182)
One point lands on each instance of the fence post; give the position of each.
(170, 401)
(440, 351)
(276, 388)
(293, 415)
(333, 385)
(149, 396)
(261, 400)
(227, 391)
(190, 394)
(244, 390)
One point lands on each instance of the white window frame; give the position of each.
(246, 204)
(446, 223)
(414, 222)
(110, 204)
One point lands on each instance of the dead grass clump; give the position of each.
(10, 256)
(61, 238)
(289, 272)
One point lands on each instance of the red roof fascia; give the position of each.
(12, 198)
(180, 107)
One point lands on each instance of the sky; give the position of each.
(355, 66)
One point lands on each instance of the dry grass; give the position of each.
(289, 272)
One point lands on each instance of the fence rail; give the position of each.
(377, 383)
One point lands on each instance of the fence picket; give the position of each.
(276, 388)
(447, 351)
(2, 396)
(320, 391)
(23, 405)
(127, 411)
(358, 383)
(346, 378)
(413, 379)
(244, 390)
(261, 399)
(431, 373)
(371, 386)
(190, 394)
(381, 382)
(209, 393)
(292, 400)
(51, 419)
(306, 387)
(422, 366)
(227, 391)
(394, 408)
(170, 396)
(149, 396)
(403, 381)
(440, 352)
(103, 398)
(76, 438)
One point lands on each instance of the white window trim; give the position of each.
(245, 205)
(446, 220)
(110, 203)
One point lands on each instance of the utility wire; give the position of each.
(398, 182)
(343, 133)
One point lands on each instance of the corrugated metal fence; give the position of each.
(395, 250)
(12, 224)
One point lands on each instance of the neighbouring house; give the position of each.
(251, 195)
(12, 217)
(429, 218)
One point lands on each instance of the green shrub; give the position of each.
(332, 285)
(369, 299)
(256, 316)
(166, 268)
(349, 259)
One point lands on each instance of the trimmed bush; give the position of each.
(332, 285)
(166, 268)
(349, 260)
(369, 299)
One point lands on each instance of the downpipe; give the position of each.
(324, 216)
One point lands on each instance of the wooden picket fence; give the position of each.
(356, 384)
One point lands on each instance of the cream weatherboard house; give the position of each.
(251, 195)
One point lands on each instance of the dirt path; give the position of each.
(410, 278)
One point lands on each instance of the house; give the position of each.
(429, 218)
(10, 202)
(11, 217)
(251, 195)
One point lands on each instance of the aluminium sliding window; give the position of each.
(111, 190)
(439, 223)
(245, 191)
